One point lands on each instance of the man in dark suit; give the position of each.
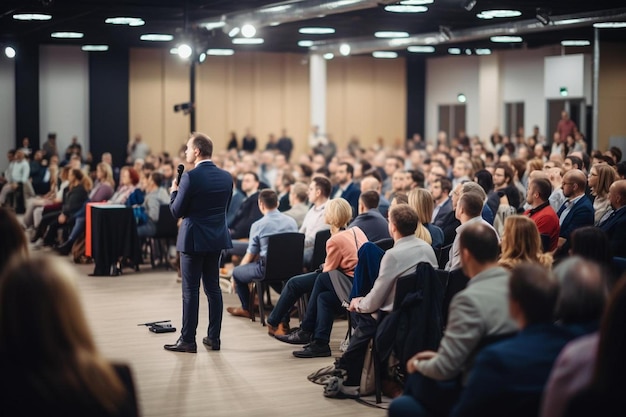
(615, 223)
(373, 224)
(508, 377)
(249, 211)
(201, 199)
(346, 188)
(575, 212)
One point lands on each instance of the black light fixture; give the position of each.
(543, 16)
(469, 4)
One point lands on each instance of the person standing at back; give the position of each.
(201, 199)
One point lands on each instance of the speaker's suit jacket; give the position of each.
(202, 201)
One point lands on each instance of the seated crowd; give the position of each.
(537, 231)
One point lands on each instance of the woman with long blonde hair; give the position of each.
(601, 176)
(422, 201)
(521, 242)
(48, 356)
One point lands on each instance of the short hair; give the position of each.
(254, 174)
(471, 203)
(591, 243)
(446, 184)
(417, 176)
(349, 168)
(535, 289)
(472, 187)
(323, 184)
(575, 161)
(157, 178)
(401, 198)
(621, 169)
(583, 291)
(481, 242)
(508, 171)
(373, 172)
(203, 144)
(404, 218)
(269, 198)
(300, 190)
(288, 179)
(543, 188)
(617, 153)
(338, 212)
(370, 199)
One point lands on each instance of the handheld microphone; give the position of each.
(180, 170)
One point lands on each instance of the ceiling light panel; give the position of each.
(575, 43)
(610, 25)
(67, 35)
(95, 48)
(416, 2)
(506, 39)
(129, 21)
(498, 14)
(405, 8)
(305, 43)
(248, 41)
(156, 37)
(316, 31)
(454, 51)
(220, 52)
(421, 49)
(31, 16)
(391, 34)
(385, 54)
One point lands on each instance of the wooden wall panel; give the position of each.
(611, 93)
(176, 91)
(212, 100)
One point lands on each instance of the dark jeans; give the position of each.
(354, 357)
(322, 308)
(195, 268)
(426, 397)
(295, 288)
(245, 274)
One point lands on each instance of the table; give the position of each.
(111, 236)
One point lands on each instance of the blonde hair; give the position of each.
(45, 338)
(521, 242)
(422, 202)
(338, 212)
(107, 173)
(606, 177)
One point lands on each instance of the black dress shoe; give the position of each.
(213, 344)
(182, 346)
(298, 337)
(315, 349)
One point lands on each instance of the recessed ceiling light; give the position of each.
(575, 43)
(495, 14)
(421, 49)
(248, 30)
(95, 48)
(405, 8)
(248, 41)
(316, 31)
(610, 25)
(328, 55)
(220, 52)
(184, 51)
(483, 51)
(156, 37)
(130, 21)
(67, 35)
(305, 43)
(416, 2)
(32, 16)
(344, 49)
(506, 39)
(461, 98)
(385, 54)
(10, 52)
(468, 51)
(454, 51)
(391, 34)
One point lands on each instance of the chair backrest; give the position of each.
(545, 242)
(385, 244)
(319, 248)
(167, 226)
(284, 256)
(457, 281)
(443, 255)
(404, 286)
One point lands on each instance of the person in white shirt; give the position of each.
(319, 192)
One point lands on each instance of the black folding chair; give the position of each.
(283, 261)
(166, 233)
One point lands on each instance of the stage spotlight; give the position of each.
(184, 51)
(9, 51)
(543, 16)
(469, 4)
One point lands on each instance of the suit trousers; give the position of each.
(196, 267)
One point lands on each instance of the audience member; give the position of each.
(422, 202)
(155, 197)
(576, 211)
(49, 359)
(319, 193)
(369, 220)
(508, 377)
(129, 178)
(14, 242)
(540, 211)
(614, 222)
(521, 243)
(601, 176)
(298, 202)
(591, 243)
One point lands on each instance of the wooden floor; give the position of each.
(253, 374)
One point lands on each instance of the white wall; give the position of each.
(64, 95)
(445, 78)
(7, 109)
(523, 81)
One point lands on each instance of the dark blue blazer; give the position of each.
(508, 377)
(443, 214)
(202, 201)
(351, 195)
(247, 214)
(373, 224)
(580, 215)
(615, 228)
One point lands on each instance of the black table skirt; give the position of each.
(113, 238)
